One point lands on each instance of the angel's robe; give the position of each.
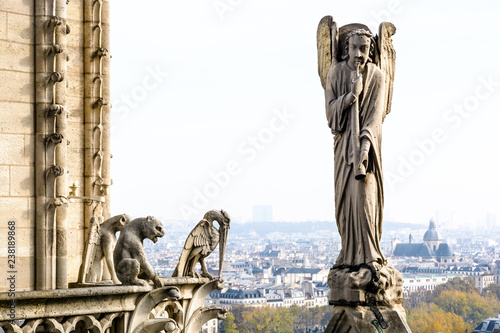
(358, 203)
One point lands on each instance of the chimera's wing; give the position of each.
(387, 60)
(201, 235)
(197, 237)
(327, 44)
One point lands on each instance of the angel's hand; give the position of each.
(357, 86)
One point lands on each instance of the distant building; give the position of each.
(262, 214)
(310, 294)
(483, 281)
(432, 237)
(413, 283)
(247, 297)
(432, 247)
(294, 296)
(211, 326)
(270, 254)
(298, 275)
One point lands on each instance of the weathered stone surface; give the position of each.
(363, 320)
(76, 163)
(4, 180)
(74, 11)
(29, 150)
(22, 181)
(24, 241)
(16, 56)
(74, 39)
(24, 261)
(75, 247)
(12, 148)
(15, 209)
(75, 85)
(31, 212)
(16, 118)
(20, 86)
(3, 25)
(359, 286)
(20, 28)
(18, 6)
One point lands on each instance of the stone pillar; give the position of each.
(97, 115)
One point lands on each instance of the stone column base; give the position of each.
(357, 285)
(361, 319)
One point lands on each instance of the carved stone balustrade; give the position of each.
(178, 307)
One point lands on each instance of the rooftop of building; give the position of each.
(431, 235)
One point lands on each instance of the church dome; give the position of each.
(431, 235)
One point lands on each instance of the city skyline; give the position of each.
(227, 111)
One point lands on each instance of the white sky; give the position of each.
(229, 72)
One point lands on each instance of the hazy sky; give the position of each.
(218, 104)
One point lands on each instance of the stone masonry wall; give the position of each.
(17, 97)
(17, 128)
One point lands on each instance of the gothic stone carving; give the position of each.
(105, 247)
(357, 73)
(202, 240)
(129, 257)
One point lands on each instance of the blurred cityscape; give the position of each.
(281, 264)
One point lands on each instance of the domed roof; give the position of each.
(431, 234)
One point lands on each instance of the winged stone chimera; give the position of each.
(202, 240)
(357, 69)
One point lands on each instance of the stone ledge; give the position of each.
(98, 289)
(182, 298)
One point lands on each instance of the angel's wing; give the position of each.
(197, 237)
(327, 44)
(387, 60)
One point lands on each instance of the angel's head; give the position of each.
(358, 48)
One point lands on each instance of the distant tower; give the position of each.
(432, 237)
(262, 214)
(409, 239)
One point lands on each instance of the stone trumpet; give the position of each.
(359, 168)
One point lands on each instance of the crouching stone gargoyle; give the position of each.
(131, 264)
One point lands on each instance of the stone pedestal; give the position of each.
(362, 319)
(366, 299)
(361, 285)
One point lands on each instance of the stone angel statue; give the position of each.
(356, 70)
